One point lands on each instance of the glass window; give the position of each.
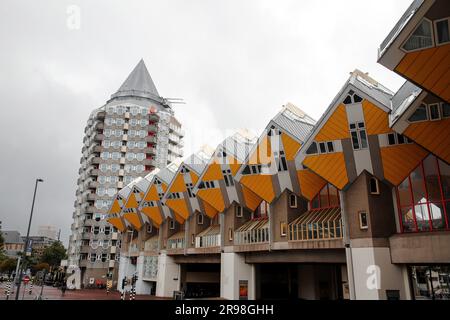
(437, 215)
(420, 114)
(115, 167)
(408, 219)
(106, 143)
(324, 197)
(422, 217)
(322, 147)
(334, 196)
(432, 179)
(132, 133)
(312, 148)
(421, 38)
(130, 156)
(144, 122)
(115, 155)
(391, 139)
(434, 111)
(330, 146)
(102, 179)
(355, 141)
(442, 29)
(445, 110)
(445, 178)
(363, 136)
(418, 186)
(404, 193)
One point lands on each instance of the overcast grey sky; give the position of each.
(234, 62)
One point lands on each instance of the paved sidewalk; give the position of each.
(52, 293)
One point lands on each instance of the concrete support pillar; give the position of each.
(233, 269)
(142, 287)
(375, 274)
(126, 270)
(168, 276)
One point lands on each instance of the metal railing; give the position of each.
(317, 225)
(255, 231)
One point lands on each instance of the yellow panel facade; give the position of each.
(179, 206)
(214, 172)
(262, 153)
(310, 183)
(376, 119)
(336, 127)
(331, 167)
(133, 219)
(152, 194)
(290, 146)
(117, 222)
(213, 197)
(252, 201)
(154, 214)
(398, 161)
(432, 135)
(261, 185)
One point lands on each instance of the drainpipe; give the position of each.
(348, 249)
(271, 212)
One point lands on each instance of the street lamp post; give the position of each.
(27, 238)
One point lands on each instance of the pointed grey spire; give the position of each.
(138, 83)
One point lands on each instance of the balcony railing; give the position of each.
(176, 241)
(151, 244)
(254, 231)
(323, 224)
(208, 238)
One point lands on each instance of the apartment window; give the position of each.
(391, 139)
(434, 111)
(396, 138)
(93, 257)
(352, 97)
(282, 164)
(200, 219)
(172, 224)
(330, 146)
(104, 257)
(149, 228)
(421, 38)
(283, 229)
(96, 230)
(359, 136)
(189, 188)
(312, 149)
(107, 230)
(252, 169)
(228, 177)
(230, 234)
(192, 239)
(363, 220)
(445, 110)
(322, 147)
(184, 170)
(424, 197)
(239, 211)
(373, 185)
(442, 31)
(328, 197)
(292, 201)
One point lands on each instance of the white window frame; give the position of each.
(293, 196)
(358, 135)
(360, 214)
(239, 211)
(436, 42)
(172, 224)
(202, 220)
(438, 105)
(442, 111)
(377, 192)
(433, 44)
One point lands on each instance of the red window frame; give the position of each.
(412, 204)
(328, 206)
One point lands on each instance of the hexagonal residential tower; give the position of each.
(133, 133)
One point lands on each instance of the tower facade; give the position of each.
(132, 134)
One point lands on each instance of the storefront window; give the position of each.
(430, 282)
(423, 197)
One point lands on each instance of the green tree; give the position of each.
(54, 254)
(40, 266)
(8, 265)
